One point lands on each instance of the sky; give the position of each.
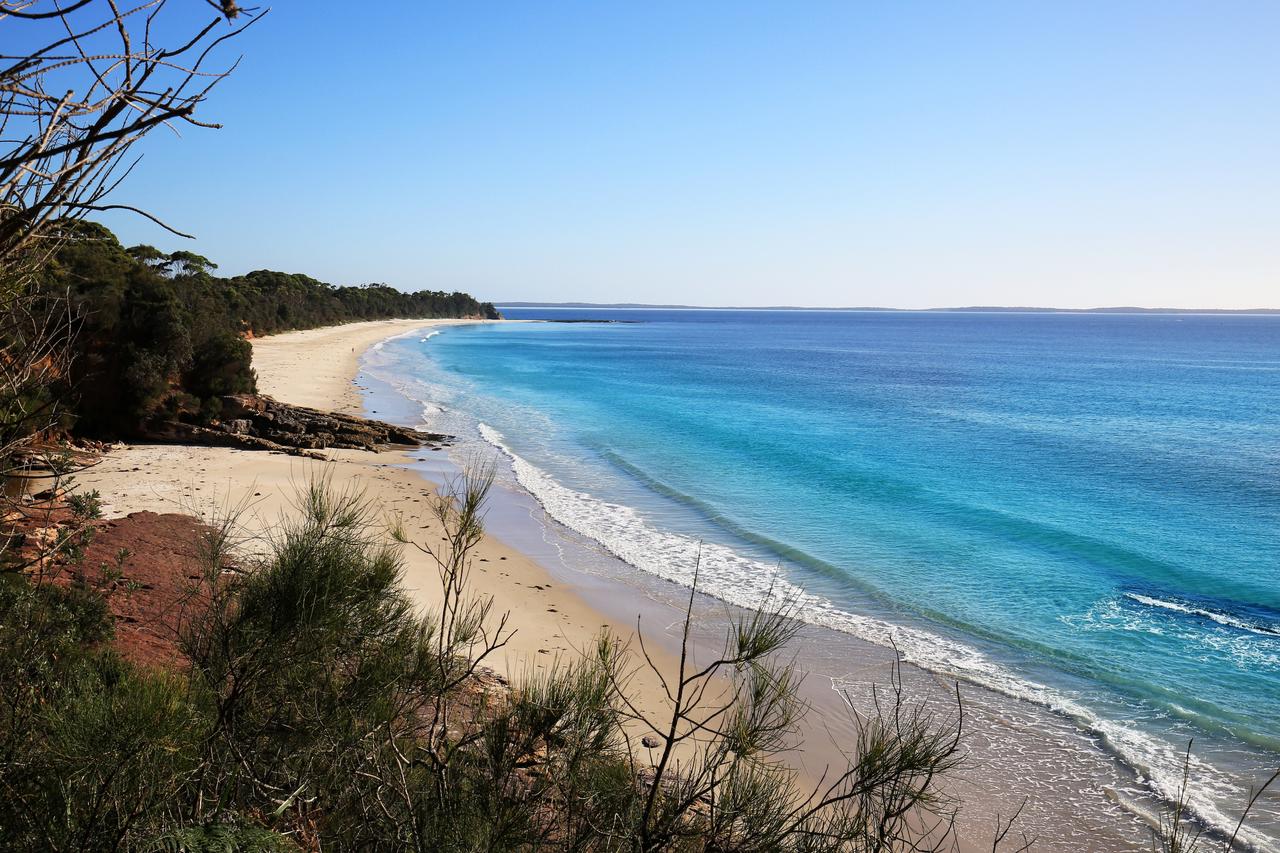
(901, 154)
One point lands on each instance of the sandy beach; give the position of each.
(553, 616)
(317, 368)
(552, 619)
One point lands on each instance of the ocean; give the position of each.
(1080, 512)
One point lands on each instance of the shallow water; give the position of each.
(1075, 511)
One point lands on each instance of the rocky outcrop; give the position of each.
(257, 422)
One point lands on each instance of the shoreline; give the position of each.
(318, 368)
(556, 613)
(843, 670)
(1089, 790)
(312, 368)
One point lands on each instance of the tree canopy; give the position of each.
(162, 336)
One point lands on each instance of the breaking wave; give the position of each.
(741, 581)
(1227, 619)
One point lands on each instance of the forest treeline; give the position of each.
(161, 336)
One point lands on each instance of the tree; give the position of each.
(90, 85)
(189, 263)
(81, 82)
(151, 256)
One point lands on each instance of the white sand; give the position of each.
(317, 368)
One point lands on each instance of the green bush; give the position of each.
(221, 365)
(321, 711)
(89, 747)
(119, 752)
(224, 837)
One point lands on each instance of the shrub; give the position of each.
(321, 711)
(221, 366)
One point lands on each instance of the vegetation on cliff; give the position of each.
(160, 336)
(299, 700)
(93, 334)
(313, 707)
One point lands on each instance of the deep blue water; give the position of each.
(1081, 510)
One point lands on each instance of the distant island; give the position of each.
(976, 309)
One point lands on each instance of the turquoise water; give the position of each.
(1081, 511)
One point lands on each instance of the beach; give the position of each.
(558, 605)
(839, 429)
(556, 612)
(853, 461)
(317, 368)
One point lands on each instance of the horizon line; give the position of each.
(1127, 309)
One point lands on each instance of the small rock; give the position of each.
(43, 537)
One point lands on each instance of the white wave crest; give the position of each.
(738, 580)
(380, 344)
(1220, 618)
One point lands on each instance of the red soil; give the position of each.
(159, 581)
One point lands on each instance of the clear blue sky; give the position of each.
(898, 153)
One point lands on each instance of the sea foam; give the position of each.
(744, 582)
(1226, 619)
